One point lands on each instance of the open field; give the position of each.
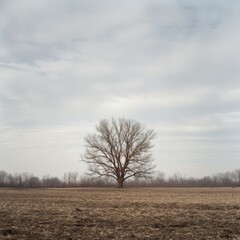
(109, 213)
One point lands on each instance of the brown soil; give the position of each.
(130, 213)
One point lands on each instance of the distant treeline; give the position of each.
(73, 179)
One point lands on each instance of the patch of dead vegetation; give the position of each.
(109, 213)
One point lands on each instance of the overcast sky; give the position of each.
(173, 65)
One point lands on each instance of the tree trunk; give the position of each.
(120, 182)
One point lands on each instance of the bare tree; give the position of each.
(159, 179)
(70, 178)
(34, 182)
(120, 149)
(3, 178)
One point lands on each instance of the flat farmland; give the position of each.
(111, 213)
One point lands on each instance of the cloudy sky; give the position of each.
(173, 65)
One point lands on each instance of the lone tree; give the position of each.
(120, 149)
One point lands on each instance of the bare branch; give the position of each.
(119, 149)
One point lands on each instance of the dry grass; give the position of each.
(109, 213)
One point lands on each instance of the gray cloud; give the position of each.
(173, 65)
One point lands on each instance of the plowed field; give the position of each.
(130, 213)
